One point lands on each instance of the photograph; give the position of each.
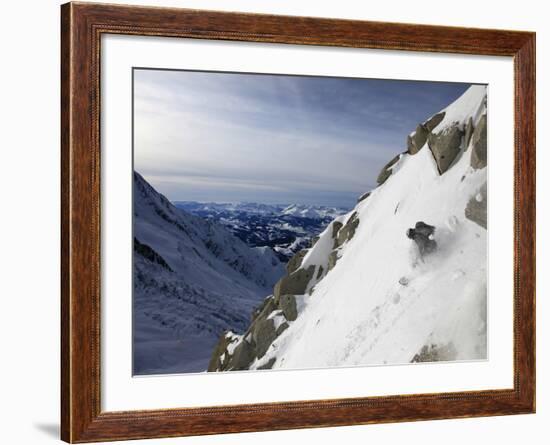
(306, 222)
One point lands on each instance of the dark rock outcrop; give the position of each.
(264, 333)
(476, 209)
(267, 306)
(434, 121)
(216, 359)
(468, 132)
(320, 273)
(385, 173)
(296, 261)
(288, 305)
(363, 196)
(347, 231)
(254, 343)
(417, 140)
(336, 226)
(435, 353)
(295, 283)
(332, 259)
(445, 146)
(479, 144)
(149, 253)
(242, 357)
(243, 354)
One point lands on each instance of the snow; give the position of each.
(470, 104)
(319, 255)
(233, 342)
(277, 317)
(382, 303)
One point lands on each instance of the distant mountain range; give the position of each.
(284, 228)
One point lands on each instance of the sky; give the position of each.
(275, 139)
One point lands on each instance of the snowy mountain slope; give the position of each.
(362, 294)
(192, 280)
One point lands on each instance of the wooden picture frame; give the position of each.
(82, 25)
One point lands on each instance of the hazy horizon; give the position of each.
(285, 204)
(274, 139)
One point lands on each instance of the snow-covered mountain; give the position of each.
(255, 208)
(193, 279)
(285, 229)
(363, 294)
(314, 212)
(211, 208)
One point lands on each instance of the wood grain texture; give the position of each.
(81, 28)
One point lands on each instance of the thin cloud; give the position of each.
(273, 138)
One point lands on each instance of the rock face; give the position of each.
(385, 173)
(346, 232)
(363, 196)
(336, 226)
(446, 144)
(476, 209)
(288, 305)
(332, 259)
(243, 355)
(435, 353)
(295, 283)
(479, 144)
(468, 133)
(216, 360)
(445, 147)
(263, 334)
(149, 253)
(417, 140)
(320, 273)
(295, 262)
(269, 321)
(265, 308)
(237, 352)
(434, 121)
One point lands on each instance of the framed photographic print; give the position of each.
(275, 222)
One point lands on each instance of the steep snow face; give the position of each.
(372, 298)
(192, 280)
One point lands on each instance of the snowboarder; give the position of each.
(423, 236)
